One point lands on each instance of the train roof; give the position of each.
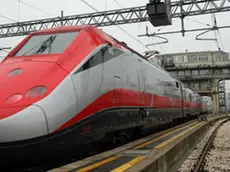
(104, 37)
(90, 27)
(62, 29)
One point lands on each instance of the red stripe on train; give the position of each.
(124, 97)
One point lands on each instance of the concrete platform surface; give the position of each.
(162, 151)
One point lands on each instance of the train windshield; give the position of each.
(47, 44)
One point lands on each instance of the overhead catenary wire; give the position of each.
(161, 47)
(105, 5)
(215, 25)
(217, 32)
(38, 9)
(124, 7)
(196, 21)
(117, 25)
(2, 16)
(213, 16)
(221, 41)
(166, 26)
(18, 10)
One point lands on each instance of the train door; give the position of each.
(184, 102)
(112, 74)
(117, 91)
(141, 83)
(87, 80)
(182, 98)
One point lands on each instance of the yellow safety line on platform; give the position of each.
(129, 164)
(158, 138)
(98, 164)
(163, 144)
(139, 158)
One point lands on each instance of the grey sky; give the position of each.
(177, 43)
(21, 12)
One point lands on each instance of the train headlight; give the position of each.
(13, 99)
(36, 91)
(15, 72)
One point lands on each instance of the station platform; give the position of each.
(157, 152)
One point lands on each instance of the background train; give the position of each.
(73, 86)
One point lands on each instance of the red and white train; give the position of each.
(73, 86)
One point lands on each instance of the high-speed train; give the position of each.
(72, 86)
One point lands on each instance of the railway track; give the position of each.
(201, 160)
(218, 156)
(206, 154)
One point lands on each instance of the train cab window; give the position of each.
(47, 44)
(103, 55)
(95, 60)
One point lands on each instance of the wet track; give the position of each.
(219, 155)
(211, 153)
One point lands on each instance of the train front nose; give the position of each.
(22, 124)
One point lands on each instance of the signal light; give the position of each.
(15, 72)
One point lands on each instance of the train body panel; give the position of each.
(19, 77)
(107, 77)
(24, 125)
(61, 105)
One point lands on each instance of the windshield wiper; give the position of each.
(42, 45)
(46, 44)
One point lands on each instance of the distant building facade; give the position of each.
(195, 58)
(187, 66)
(222, 97)
(200, 71)
(228, 102)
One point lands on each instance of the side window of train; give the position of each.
(96, 59)
(111, 53)
(177, 84)
(105, 54)
(84, 67)
(190, 97)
